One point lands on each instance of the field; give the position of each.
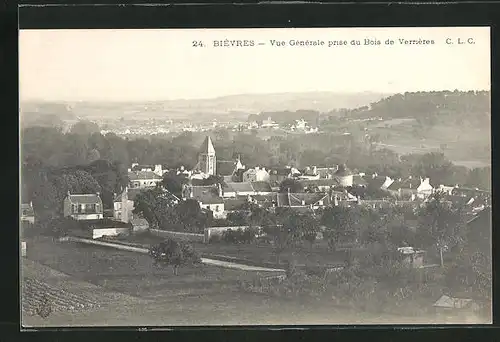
(131, 292)
(466, 146)
(257, 254)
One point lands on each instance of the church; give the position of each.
(207, 161)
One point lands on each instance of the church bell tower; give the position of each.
(206, 158)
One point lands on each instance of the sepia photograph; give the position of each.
(255, 177)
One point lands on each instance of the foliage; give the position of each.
(175, 253)
(291, 185)
(239, 236)
(173, 182)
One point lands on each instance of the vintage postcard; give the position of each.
(255, 176)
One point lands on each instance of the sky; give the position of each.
(138, 65)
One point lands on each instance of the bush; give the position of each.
(215, 239)
(238, 236)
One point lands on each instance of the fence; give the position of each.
(178, 235)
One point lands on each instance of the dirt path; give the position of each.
(212, 262)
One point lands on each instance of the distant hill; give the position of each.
(431, 107)
(233, 107)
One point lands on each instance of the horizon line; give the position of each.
(388, 93)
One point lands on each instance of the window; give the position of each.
(216, 208)
(73, 209)
(320, 202)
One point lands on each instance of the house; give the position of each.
(310, 173)
(453, 305)
(256, 174)
(157, 169)
(326, 172)
(303, 200)
(83, 206)
(344, 176)
(261, 188)
(412, 257)
(359, 180)
(269, 123)
(320, 185)
(411, 188)
(122, 207)
(264, 201)
(209, 197)
(27, 213)
(235, 189)
(229, 169)
(378, 182)
(235, 204)
(277, 175)
(143, 179)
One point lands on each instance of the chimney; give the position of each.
(315, 170)
(69, 193)
(129, 170)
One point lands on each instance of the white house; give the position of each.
(143, 179)
(425, 188)
(83, 206)
(256, 174)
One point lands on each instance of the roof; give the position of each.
(132, 193)
(234, 203)
(27, 209)
(375, 182)
(85, 198)
(225, 167)
(359, 180)
(408, 183)
(137, 175)
(139, 222)
(207, 194)
(261, 186)
(207, 146)
(343, 171)
(469, 192)
(453, 303)
(280, 171)
(302, 199)
(239, 187)
(319, 182)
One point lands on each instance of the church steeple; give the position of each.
(206, 158)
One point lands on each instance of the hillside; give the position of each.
(234, 107)
(456, 123)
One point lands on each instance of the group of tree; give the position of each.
(165, 213)
(47, 186)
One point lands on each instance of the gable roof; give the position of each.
(133, 192)
(27, 210)
(318, 182)
(207, 147)
(225, 167)
(140, 175)
(261, 186)
(207, 194)
(408, 183)
(85, 198)
(239, 187)
(375, 182)
(234, 203)
(453, 303)
(302, 199)
(359, 180)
